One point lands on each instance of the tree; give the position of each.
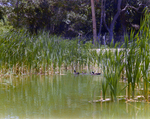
(94, 22)
(71, 18)
(117, 12)
(101, 19)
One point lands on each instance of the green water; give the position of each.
(65, 96)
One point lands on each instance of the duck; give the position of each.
(95, 73)
(76, 72)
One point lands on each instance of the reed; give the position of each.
(134, 58)
(137, 59)
(132, 67)
(42, 52)
(145, 56)
(112, 70)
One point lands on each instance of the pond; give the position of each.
(62, 96)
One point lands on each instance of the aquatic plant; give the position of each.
(41, 52)
(112, 68)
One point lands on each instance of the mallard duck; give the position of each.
(76, 72)
(95, 73)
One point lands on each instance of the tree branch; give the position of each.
(134, 8)
(104, 14)
(117, 14)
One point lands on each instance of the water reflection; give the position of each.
(64, 96)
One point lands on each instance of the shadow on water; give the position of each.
(65, 96)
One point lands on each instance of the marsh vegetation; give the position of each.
(43, 54)
(51, 68)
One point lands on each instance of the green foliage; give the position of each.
(69, 19)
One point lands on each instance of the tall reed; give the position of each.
(112, 68)
(137, 58)
(144, 34)
(40, 53)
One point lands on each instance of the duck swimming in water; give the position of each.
(76, 72)
(95, 73)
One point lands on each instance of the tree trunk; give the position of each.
(101, 20)
(110, 29)
(94, 22)
(17, 2)
(111, 36)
